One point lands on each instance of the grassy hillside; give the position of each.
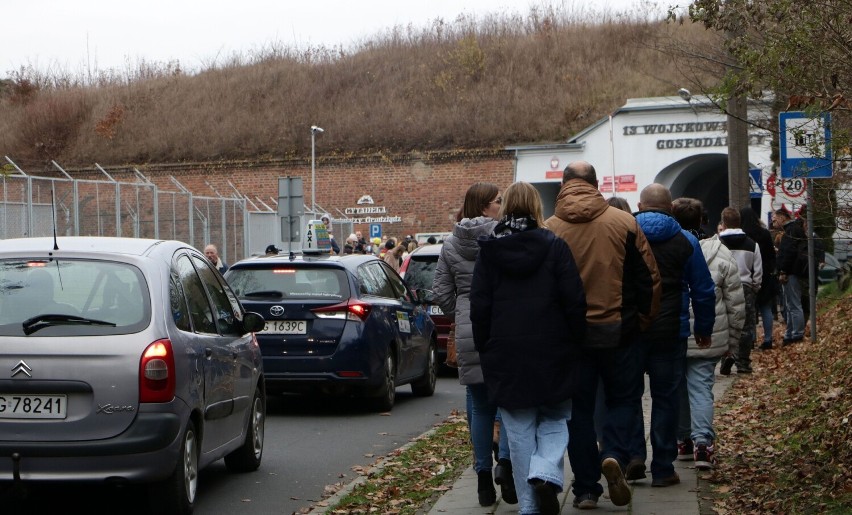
(470, 83)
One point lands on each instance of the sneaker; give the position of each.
(744, 370)
(619, 491)
(586, 501)
(635, 470)
(545, 491)
(727, 363)
(766, 345)
(705, 458)
(684, 450)
(666, 481)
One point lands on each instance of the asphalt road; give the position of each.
(310, 443)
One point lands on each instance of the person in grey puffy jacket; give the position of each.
(453, 275)
(696, 437)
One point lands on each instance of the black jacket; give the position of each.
(528, 311)
(792, 250)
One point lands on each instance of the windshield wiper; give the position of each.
(264, 293)
(39, 322)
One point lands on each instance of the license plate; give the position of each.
(32, 406)
(435, 310)
(285, 327)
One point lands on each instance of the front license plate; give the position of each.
(33, 406)
(285, 327)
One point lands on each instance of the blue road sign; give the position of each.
(755, 188)
(805, 145)
(375, 231)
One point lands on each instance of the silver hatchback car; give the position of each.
(124, 360)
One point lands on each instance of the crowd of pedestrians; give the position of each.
(558, 321)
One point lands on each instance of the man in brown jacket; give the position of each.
(622, 286)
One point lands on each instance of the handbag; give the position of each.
(452, 359)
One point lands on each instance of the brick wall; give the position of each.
(424, 189)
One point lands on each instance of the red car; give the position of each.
(418, 270)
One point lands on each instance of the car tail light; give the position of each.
(357, 311)
(157, 373)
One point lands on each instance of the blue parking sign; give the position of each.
(375, 231)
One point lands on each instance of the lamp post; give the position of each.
(314, 131)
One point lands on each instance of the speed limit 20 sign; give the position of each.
(794, 187)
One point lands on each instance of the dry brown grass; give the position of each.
(472, 83)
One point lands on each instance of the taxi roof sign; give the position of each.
(315, 239)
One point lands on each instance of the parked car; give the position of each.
(828, 271)
(342, 325)
(418, 270)
(124, 360)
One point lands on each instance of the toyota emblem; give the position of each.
(276, 311)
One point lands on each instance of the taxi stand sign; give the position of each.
(315, 239)
(803, 137)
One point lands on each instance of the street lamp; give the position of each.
(314, 131)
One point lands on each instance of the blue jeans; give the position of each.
(537, 440)
(767, 318)
(665, 363)
(696, 407)
(795, 318)
(480, 418)
(623, 376)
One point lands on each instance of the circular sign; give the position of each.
(770, 185)
(794, 187)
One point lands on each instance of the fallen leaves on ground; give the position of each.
(784, 438)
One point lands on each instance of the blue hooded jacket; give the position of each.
(685, 277)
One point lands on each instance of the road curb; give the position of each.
(379, 465)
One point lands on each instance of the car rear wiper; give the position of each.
(264, 293)
(39, 322)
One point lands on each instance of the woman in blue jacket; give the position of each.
(528, 312)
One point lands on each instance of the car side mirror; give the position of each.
(253, 322)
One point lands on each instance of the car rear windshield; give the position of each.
(421, 271)
(289, 282)
(71, 297)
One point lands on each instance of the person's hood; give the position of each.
(579, 202)
(734, 236)
(468, 231)
(657, 225)
(710, 247)
(519, 254)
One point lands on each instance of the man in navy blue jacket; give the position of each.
(662, 346)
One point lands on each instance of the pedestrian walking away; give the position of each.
(661, 348)
(622, 286)
(453, 274)
(525, 277)
(747, 254)
(696, 436)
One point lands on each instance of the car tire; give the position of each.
(177, 493)
(386, 396)
(425, 385)
(247, 458)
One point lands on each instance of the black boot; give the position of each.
(485, 488)
(503, 477)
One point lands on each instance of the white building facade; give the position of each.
(668, 140)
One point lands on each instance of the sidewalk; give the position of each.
(682, 499)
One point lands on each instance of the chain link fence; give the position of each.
(33, 206)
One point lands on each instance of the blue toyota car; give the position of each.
(339, 325)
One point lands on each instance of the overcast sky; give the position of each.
(79, 35)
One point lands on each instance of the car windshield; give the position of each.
(420, 272)
(71, 297)
(289, 282)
